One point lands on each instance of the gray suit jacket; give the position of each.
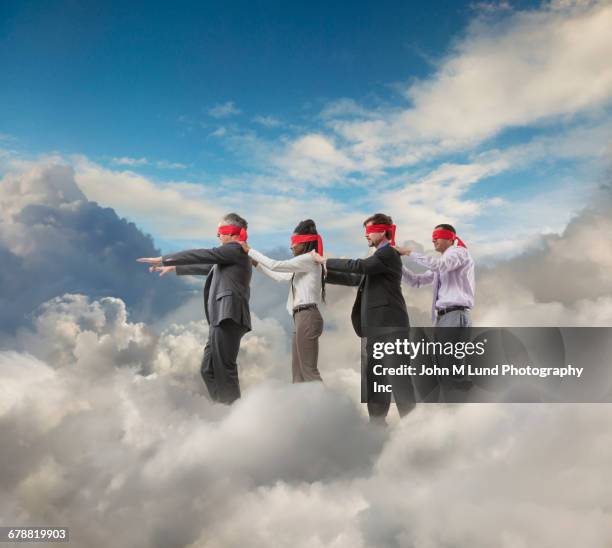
(227, 288)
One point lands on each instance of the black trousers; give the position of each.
(403, 389)
(219, 367)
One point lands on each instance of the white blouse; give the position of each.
(301, 271)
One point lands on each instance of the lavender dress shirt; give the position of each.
(452, 275)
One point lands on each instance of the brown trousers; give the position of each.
(308, 326)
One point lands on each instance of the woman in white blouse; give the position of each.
(307, 291)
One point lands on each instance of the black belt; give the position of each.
(301, 307)
(443, 311)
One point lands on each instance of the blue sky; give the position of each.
(463, 112)
(131, 79)
(130, 72)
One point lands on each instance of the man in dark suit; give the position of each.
(379, 313)
(226, 302)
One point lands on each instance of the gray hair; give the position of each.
(235, 220)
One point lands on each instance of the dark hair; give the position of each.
(380, 219)
(308, 226)
(235, 220)
(447, 227)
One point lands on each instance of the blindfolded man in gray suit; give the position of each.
(226, 301)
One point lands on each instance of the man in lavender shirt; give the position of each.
(452, 277)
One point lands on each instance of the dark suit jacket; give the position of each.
(379, 301)
(227, 288)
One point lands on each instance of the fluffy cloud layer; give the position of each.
(141, 460)
(562, 281)
(93, 334)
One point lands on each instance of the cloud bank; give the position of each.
(143, 460)
(54, 240)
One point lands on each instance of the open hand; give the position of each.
(163, 270)
(149, 260)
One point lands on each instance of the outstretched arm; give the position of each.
(416, 280)
(334, 276)
(299, 263)
(277, 276)
(192, 270)
(342, 278)
(371, 265)
(224, 254)
(450, 260)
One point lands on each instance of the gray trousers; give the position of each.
(219, 368)
(453, 389)
(308, 327)
(456, 318)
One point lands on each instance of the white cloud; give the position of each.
(315, 158)
(190, 210)
(267, 121)
(440, 197)
(531, 67)
(561, 281)
(224, 110)
(45, 182)
(522, 69)
(127, 161)
(164, 164)
(179, 210)
(219, 132)
(491, 7)
(345, 107)
(135, 162)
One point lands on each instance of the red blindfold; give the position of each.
(370, 229)
(303, 238)
(442, 234)
(231, 230)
